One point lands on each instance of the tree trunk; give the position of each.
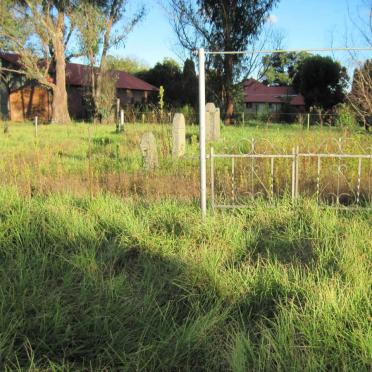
(228, 83)
(60, 106)
(102, 67)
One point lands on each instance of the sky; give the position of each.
(304, 24)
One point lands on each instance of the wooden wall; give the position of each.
(30, 101)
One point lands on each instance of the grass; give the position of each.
(98, 284)
(104, 266)
(83, 159)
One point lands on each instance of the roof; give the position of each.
(11, 58)
(256, 92)
(77, 75)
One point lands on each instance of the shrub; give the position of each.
(345, 116)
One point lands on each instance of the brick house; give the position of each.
(259, 97)
(22, 99)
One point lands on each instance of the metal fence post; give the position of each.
(359, 179)
(212, 177)
(293, 173)
(318, 180)
(297, 170)
(308, 121)
(203, 170)
(36, 123)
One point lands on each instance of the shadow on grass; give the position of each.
(106, 307)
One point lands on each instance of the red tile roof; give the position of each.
(256, 92)
(11, 58)
(77, 74)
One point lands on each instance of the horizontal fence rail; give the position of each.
(338, 179)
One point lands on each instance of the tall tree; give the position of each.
(114, 11)
(222, 25)
(36, 30)
(189, 84)
(169, 75)
(322, 81)
(360, 96)
(96, 23)
(279, 69)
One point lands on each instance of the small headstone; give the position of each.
(178, 136)
(149, 151)
(212, 122)
(216, 127)
(210, 108)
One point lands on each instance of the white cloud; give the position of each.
(272, 18)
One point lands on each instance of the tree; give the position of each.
(169, 75)
(360, 97)
(36, 30)
(130, 65)
(95, 22)
(222, 25)
(322, 81)
(279, 69)
(189, 84)
(114, 11)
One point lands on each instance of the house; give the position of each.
(22, 99)
(259, 97)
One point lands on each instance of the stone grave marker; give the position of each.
(178, 136)
(212, 122)
(149, 151)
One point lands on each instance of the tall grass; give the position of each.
(99, 284)
(69, 159)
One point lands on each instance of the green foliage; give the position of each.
(161, 99)
(220, 25)
(280, 68)
(264, 114)
(130, 65)
(105, 102)
(180, 85)
(102, 284)
(90, 23)
(345, 116)
(322, 81)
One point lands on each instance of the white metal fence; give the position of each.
(337, 179)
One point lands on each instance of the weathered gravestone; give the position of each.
(212, 122)
(178, 136)
(149, 151)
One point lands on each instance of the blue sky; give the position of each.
(305, 24)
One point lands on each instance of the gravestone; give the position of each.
(149, 151)
(210, 108)
(178, 136)
(216, 128)
(212, 122)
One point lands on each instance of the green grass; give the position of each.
(104, 266)
(102, 284)
(84, 159)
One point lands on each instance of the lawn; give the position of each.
(98, 273)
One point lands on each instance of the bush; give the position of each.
(345, 116)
